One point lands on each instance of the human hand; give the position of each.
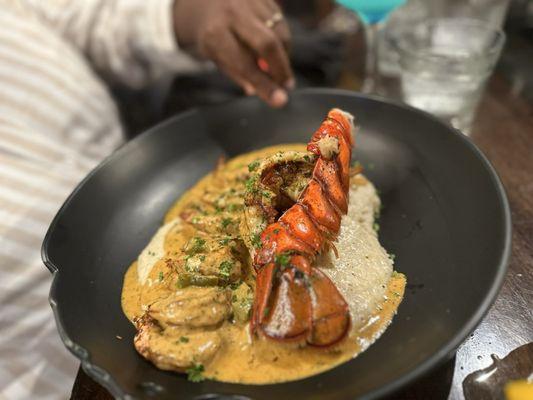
(247, 39)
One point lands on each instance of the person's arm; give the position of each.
(132, 41)
(136, 40)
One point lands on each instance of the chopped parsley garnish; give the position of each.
(250, 185)
(233, 207)
(235, 285)
(224, 241)
(225, 268)
(202, 258)
(307, 158)
(376, 226)
(184, 339)
(198, 245)
(256, 241)
(283, 259)
(225, 222)
(160, 276)
(253, 165)
(276, 231)
(195, 373)
(267, 194)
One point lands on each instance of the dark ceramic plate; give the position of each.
(445, 217)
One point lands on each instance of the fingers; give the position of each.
(234, 59)
(281, 28)
(265, 44)
(283, 32)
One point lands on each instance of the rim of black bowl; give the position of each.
(104, 378)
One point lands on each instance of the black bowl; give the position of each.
(445, 217)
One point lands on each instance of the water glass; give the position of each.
(444, 66)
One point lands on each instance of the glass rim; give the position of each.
(499, 41)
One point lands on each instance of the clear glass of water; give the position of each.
(444, 66)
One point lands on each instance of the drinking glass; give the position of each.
(371, 12)
(444, 65)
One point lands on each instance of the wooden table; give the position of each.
(504, 132)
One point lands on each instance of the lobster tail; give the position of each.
(293, 299)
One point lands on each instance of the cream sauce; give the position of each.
(363, 273)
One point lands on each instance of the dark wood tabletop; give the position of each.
(503, 130)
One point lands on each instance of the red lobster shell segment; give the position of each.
(294, 300)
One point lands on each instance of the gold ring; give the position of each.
(277, 17)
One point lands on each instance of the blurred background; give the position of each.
(329, 49)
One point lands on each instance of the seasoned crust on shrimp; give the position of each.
(172, 352)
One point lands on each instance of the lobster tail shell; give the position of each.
(293, 299)
(331, 319)
(288, 293)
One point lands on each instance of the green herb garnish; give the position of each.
(256, 241)
(224, 241)
(160, 276)
(233, 207)
(253, 165)
(250, 185)
(196, 245)
(282, 259)
(225, 268)
(235, 285)
(225, 222)
(195, 373)
(184, 339)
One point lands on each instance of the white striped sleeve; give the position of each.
(129, 40)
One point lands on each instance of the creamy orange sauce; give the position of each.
(242, 359)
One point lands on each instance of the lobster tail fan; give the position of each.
(289, 312)
(331, 317)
